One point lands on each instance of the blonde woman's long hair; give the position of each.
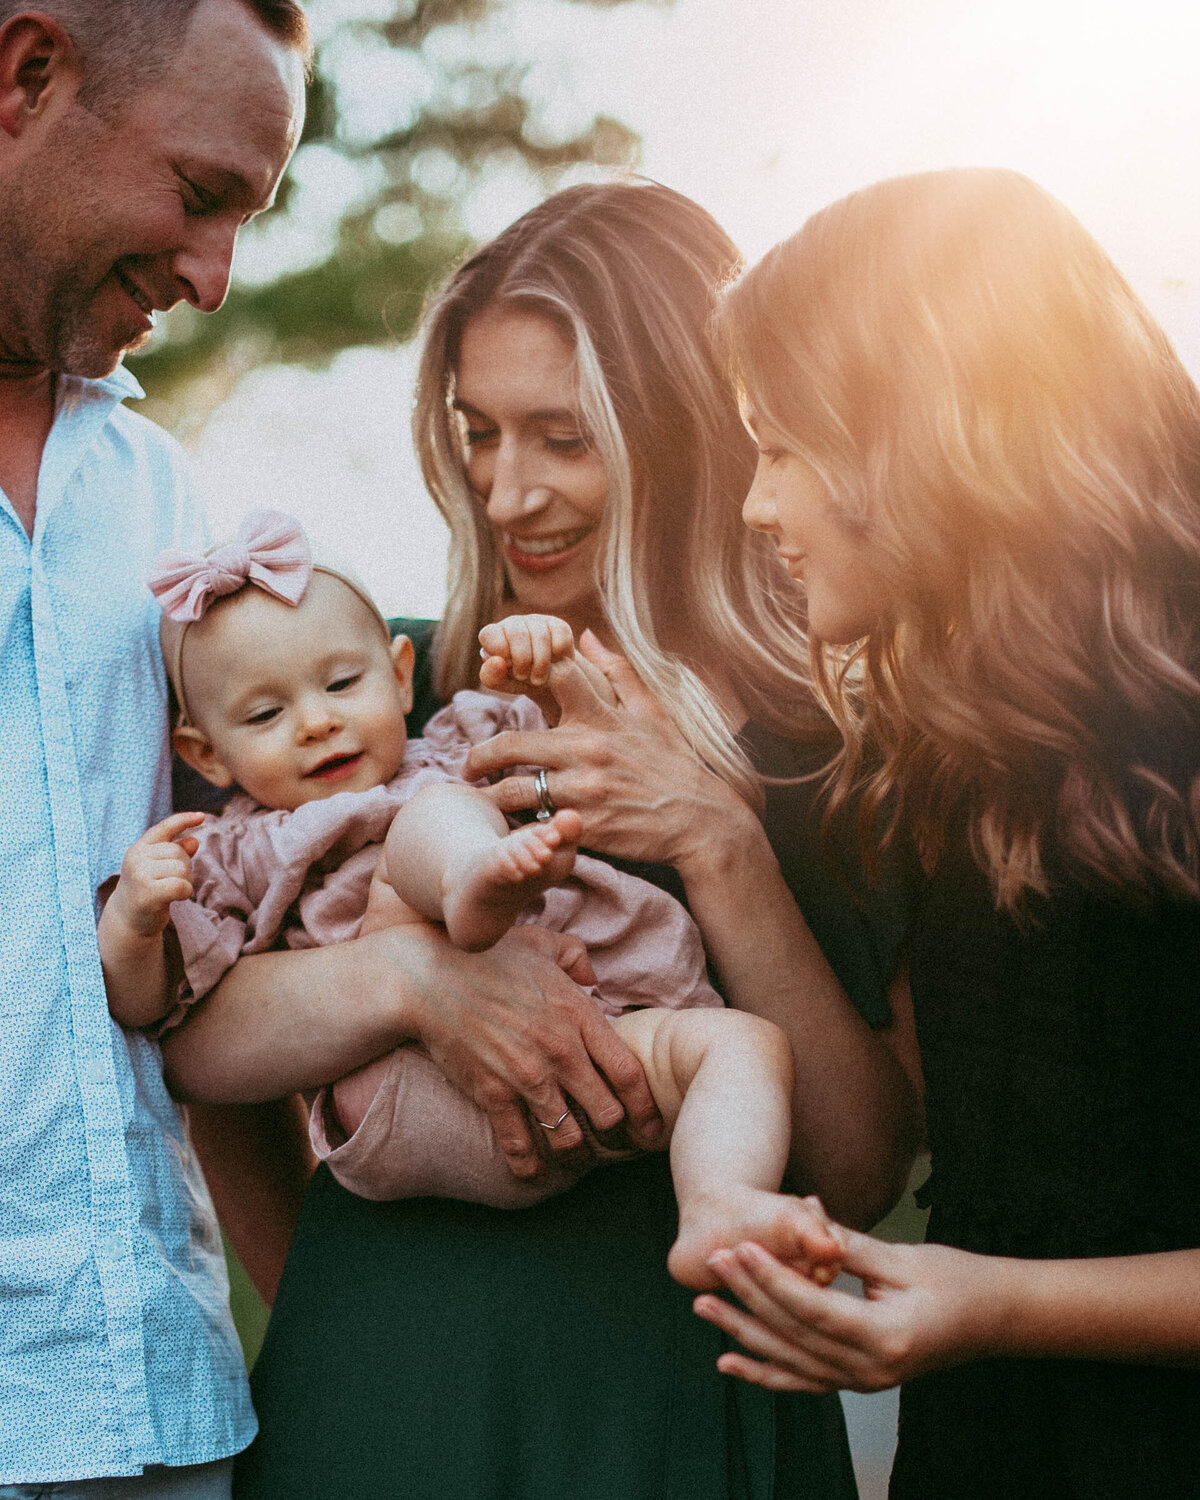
(1013, 438)
(627, 272)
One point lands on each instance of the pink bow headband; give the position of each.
(270, 551)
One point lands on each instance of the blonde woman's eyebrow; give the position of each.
(550, 414)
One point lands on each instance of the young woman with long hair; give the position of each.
(982, 457)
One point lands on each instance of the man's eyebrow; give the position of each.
(228, 187)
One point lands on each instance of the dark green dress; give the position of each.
(432, 1350)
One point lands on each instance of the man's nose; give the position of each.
(203, 265)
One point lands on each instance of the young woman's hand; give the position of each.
(622, 765)
(923, 1307)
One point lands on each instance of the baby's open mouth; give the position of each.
(336, 765)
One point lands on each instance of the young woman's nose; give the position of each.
(758, 508)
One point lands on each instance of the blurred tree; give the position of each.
(414, 106)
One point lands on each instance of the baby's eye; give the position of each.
(771, 456)
(340, 684)
(262, 716)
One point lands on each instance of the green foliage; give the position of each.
(455, 119)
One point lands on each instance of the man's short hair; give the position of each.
(126, 44)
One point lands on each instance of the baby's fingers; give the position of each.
(170, 829)
(810, 1240)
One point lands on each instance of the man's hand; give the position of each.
(511, 1030)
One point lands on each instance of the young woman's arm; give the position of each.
(929, 1306)
(642, 794)
(509, 1027)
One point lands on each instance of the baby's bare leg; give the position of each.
(450, 855)
(723, 1081)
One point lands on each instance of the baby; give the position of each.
(290, 688)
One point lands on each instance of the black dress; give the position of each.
(433, 1350)
(1062, 1067)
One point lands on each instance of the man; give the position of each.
(136, 137)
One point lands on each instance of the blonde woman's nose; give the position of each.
(512, 499)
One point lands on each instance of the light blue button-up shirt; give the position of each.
(116, 1346)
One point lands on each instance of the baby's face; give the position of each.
(297, 704)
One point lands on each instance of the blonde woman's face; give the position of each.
(788, 500)
(530, 461)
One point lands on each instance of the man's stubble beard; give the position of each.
(51, 305)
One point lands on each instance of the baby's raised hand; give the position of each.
(156, 870)
(523, 648)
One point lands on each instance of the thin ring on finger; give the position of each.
(545, 809)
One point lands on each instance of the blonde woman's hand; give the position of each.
(616, 758)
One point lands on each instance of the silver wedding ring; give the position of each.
(546, 810)
(565, 1112)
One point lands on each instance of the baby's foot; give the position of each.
(795, 1230)
(482, 898)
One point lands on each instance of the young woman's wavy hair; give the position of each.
(999, 418)
(627, 272)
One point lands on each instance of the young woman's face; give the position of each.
(529, 459)
(789, 501)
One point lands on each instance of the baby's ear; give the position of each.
(193, 746)
(403, 659)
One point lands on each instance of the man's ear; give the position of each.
(193, 746)
(403, 659)
(38, 66)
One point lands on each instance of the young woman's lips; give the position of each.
(538, 554)
(336, 767)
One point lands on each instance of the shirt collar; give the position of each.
(121, 385)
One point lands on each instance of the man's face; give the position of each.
(111, 220)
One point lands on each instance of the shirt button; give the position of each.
(110, 1246)
(94, 1071)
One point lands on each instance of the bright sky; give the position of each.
(763, 110)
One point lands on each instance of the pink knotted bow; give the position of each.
(270, 550)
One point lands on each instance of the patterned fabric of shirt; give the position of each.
(116, 1346)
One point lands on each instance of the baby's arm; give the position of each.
(723, 1080)
(451, 857)
(156, 870)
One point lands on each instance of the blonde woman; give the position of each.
(587, 452)
(982, 458)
